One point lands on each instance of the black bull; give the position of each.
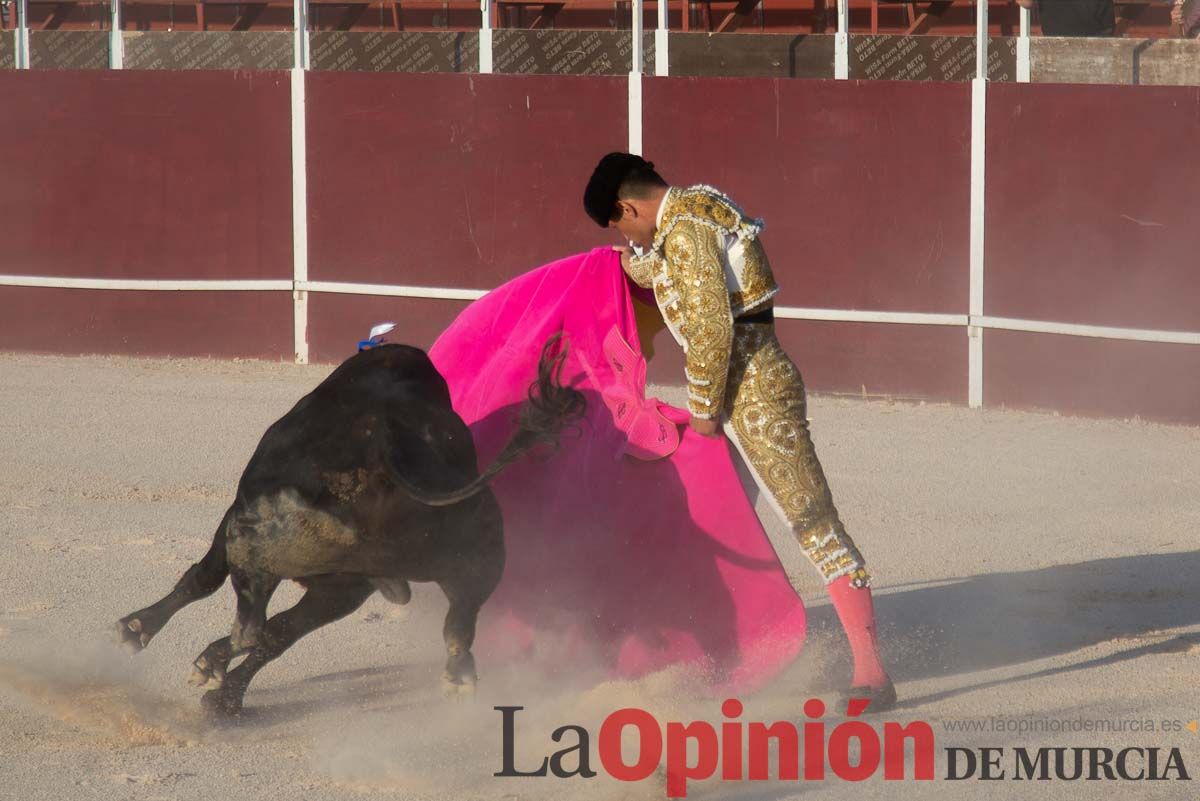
(368, 483)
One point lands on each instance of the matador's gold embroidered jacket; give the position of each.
(706, 266)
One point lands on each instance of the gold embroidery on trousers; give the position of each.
(767, 416)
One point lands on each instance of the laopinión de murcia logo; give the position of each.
(851, 750)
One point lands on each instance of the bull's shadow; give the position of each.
(995, 620)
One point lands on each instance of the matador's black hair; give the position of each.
(614, 172)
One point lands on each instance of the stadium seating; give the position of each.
(1143, 18)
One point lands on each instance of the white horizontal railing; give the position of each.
(148, 284)
(1081, 330)
(391, 290)
(454, 293)
(867, 316)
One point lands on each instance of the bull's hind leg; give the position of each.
(328, 598)
(467, 596)
(476, 574)
(460, 677)
(201, 580)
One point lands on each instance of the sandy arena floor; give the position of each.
(1029, 567)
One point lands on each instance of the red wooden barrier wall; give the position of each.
(464, 181)
(446, 181)
(211, 324)
(1092, 217)
(865, 191)
(180, 175)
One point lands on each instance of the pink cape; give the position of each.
(615, 565)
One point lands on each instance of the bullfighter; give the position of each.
(702, 258)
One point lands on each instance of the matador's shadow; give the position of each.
(993, 620)
(1000, 619)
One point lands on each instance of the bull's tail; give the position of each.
(550, 408)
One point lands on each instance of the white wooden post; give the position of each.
(841, 42)
(299, 182)
(978, 159)
(300, 29)
(485, 36)
(635, 81)
(21, 35)
(1023, 47)
(662, 59)
(116, 45)
(639, 56)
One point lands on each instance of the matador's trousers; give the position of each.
(766, 418)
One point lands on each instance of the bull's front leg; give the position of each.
(211, 665)
(253, 595)
(328, 598)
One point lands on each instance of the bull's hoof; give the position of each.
(221, 704)
(206, 672)
(133, 634)
(456, 689)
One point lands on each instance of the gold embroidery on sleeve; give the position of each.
(642, 269)
(694, 255)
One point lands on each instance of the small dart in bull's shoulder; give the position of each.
(375, 337)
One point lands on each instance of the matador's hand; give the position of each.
(625, 252)
(706, 428)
